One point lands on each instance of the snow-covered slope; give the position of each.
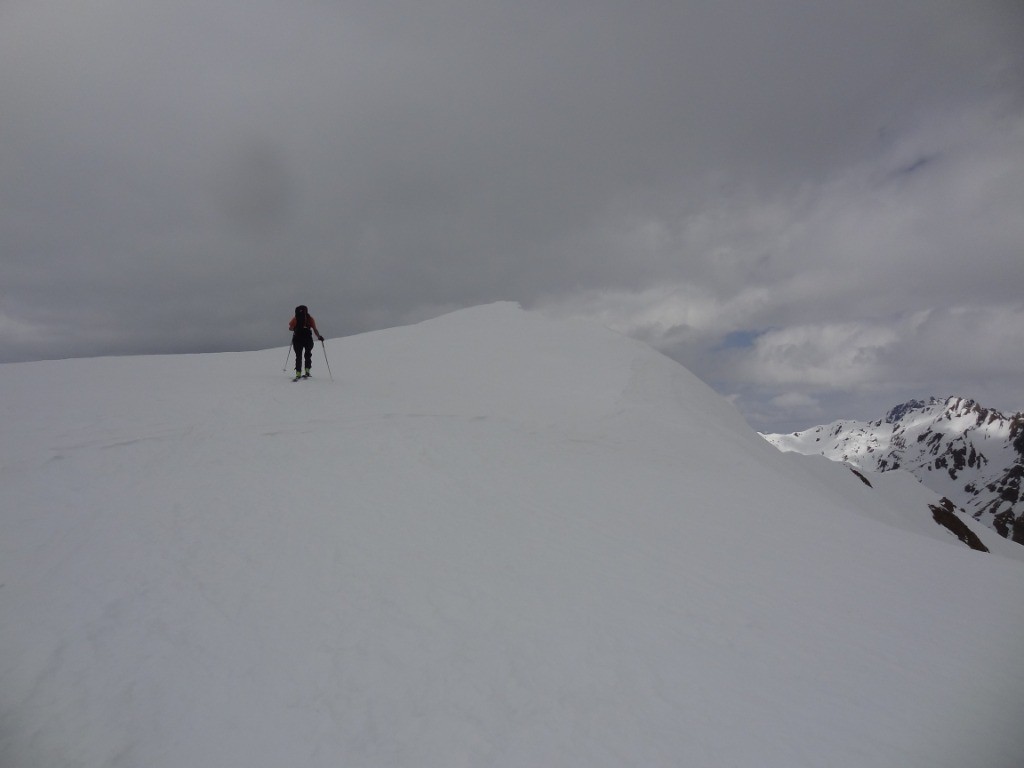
(492, 540)
(973, 456)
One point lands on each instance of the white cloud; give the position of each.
(839, 356)
(797, 401)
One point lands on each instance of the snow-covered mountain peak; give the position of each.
(898, 412)
(959, 412)
(971, 454)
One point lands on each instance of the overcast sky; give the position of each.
(817, 206)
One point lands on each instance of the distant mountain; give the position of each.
(972, 455)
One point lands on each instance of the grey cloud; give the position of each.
(201, 167)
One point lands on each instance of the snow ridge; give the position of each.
(493, 540)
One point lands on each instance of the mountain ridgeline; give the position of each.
(972, 455)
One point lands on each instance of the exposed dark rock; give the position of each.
(943, 514)
(862, 478)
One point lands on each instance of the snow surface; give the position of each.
(493, 540)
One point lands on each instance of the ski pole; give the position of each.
(325, 358)
(287, 350)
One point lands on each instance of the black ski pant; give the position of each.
(302, 343)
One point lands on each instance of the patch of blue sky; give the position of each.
(740, 339)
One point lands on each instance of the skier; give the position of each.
(303, 326)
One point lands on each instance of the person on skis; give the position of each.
(303, 327)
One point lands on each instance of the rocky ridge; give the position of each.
(972, 455)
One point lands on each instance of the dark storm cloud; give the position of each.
(682, 170)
